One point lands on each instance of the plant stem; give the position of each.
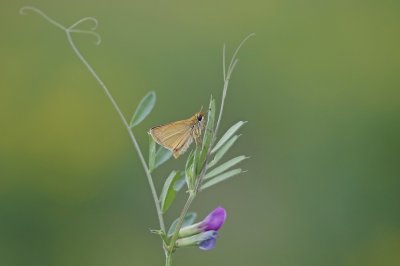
(226, 83)
(168, 259)
(227, 76)
(128, 128)
(189, 201)
(70, 30)
(180, 221)
(203, 171)
(186, 207)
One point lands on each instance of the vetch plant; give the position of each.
(204, 241)
(204, 233)
(202, 169)
(213, 222)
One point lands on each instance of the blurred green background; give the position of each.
(319, 85)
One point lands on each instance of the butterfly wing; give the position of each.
(181, 144)
(175, 136)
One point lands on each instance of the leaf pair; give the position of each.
(208, 133)
(197, 157)
(143, 109)
(188, 220)
(173, 184)
(190, 171)
(146, 105)
(218, 174)
(157, 158)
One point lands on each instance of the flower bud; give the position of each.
(213, 221)
(205, 240)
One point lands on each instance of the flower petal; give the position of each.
(214, 220)
(208, 244)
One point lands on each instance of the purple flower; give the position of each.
(204, 233)
(205, 240)
(209, 243)
(214, 220)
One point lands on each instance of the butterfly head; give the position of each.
(199, 116)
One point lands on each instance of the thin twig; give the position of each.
(68, 32)
(199, 178)
(227, 77)
(92, 19)
(223, 61)
(226, 74)
(95, 34)
(23, 10)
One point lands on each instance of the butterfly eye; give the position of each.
(199, 117)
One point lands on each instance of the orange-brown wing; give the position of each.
(181, 144)
(173, 136)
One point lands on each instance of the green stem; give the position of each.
(199, 179)
(168, 259)
(126, 124)
(185, 209)
(180, 222)
(70, 30)
(168, 250)
(227, 76)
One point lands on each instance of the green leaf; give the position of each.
(196, 158)
(208, 133)
(228, 134)
(221, 178)
(225, 166)
(144, 108)
(188, 220)
(221, 152)
(152, 153)
(162, 155)
(168, 191)
(180, 182)
(189, 171)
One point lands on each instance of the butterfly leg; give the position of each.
(198, 141)
(196, 134)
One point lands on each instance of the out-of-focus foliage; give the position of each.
(319, 86)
